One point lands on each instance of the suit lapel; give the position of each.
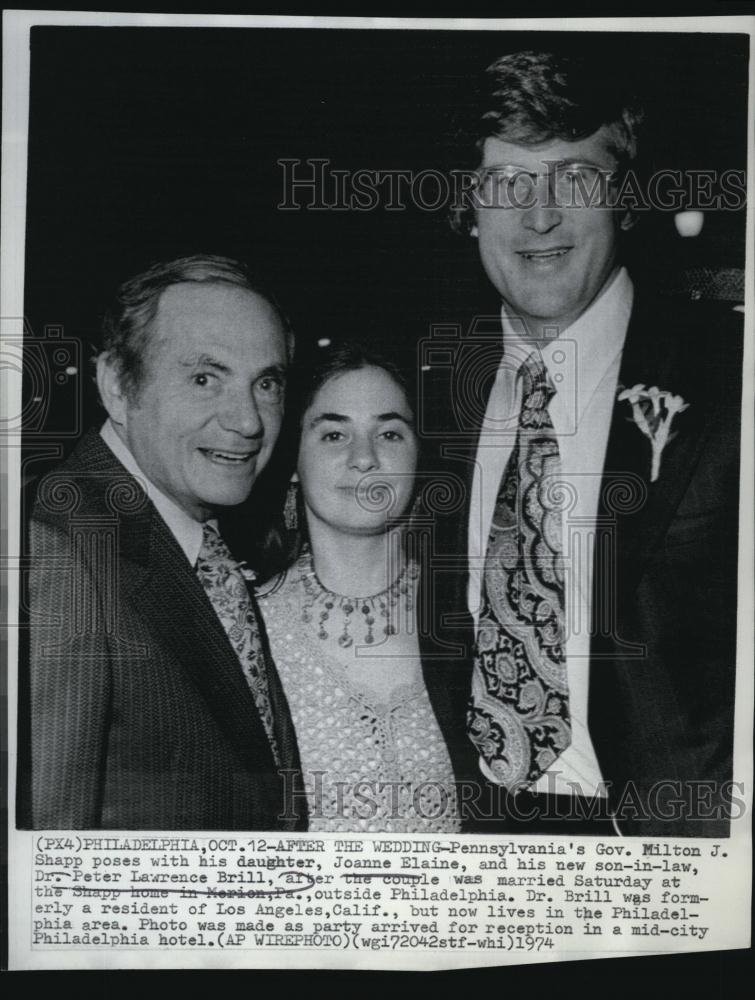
(475, 367)
(447, 676)
(172, 601)
(156, 577)
(478, 362)
(640, 510)
(632, 678)
(285, 734)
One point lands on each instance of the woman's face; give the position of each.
(358, 452)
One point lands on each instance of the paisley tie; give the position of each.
(226, 588)
(519, 712)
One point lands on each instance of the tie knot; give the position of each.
(213, 547)
(537, 392)
(537, 387)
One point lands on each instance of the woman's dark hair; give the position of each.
(349, 356)
(280, 546)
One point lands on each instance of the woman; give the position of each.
(341, 619)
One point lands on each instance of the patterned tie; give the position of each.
(519, 713)
(221, 578)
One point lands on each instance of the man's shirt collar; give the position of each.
(580, 357)
(186, 531)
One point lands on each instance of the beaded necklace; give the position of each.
(322, 603)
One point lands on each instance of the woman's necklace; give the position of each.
(322, 603)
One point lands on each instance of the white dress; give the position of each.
(369, 765)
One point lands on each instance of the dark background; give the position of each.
(150, 143)
(147, 143)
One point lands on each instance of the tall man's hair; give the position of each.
(533, 98)
(128, 321)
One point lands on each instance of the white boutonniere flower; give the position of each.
(653, 410)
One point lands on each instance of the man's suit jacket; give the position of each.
(446, 670)
(140, 716)
(663, 642)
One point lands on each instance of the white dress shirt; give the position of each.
(583, 363)
(186, 531)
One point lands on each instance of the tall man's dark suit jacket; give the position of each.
(663, 648)
(140, 716)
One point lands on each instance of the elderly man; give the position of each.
(153, 701)
(602, 483)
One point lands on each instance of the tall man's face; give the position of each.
(203, 423)
(549, 261)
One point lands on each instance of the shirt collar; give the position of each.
(584, 352)
(186, 531)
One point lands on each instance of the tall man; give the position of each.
(153, 700)
(602, 485)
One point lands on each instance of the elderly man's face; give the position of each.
(204, 422)
(548, 261)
